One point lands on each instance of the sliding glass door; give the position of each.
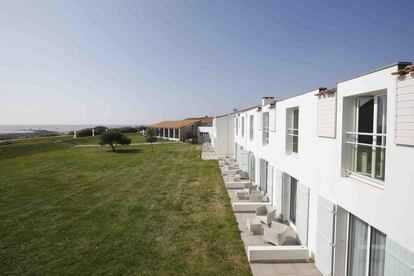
(377, 256)
(357, 252)
(366, 249)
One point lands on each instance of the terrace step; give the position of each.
(248, 207)
(278, 253)
(237, 184)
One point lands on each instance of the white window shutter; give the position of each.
(272, 119)
(244, 160)
(302, 212)
(278, 190)
(259, 120)
(404, 130)
(324, 236)
(327, 115)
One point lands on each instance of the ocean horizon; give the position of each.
(58, 128)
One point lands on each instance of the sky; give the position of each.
(139, 62)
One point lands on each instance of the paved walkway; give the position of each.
(264, 269)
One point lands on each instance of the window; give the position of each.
(367, 142)
(366, 249)
(251, 125)
(242, 127)
(292, 133)
(265, 128)
(237, 126)
(176, 133)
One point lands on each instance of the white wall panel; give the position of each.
(404, 127)
(327, 115)
(302, 212)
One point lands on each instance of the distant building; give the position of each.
(195, 129)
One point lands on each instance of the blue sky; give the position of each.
(132, 62)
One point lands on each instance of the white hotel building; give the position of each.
(338, 165)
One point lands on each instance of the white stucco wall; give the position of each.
(318, 163)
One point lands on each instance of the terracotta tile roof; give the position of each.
(204, 120)
(175, 124)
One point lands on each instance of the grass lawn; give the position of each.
(67, 210)
(135, 138)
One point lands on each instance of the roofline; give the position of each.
(400, 64)
(224, 115)
(247, 109)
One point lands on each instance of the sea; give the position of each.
(57, 128)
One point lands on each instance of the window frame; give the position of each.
(368, 244)
(291, 131)
(251, 127)
(374, 146)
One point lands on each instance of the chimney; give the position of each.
(267, 100)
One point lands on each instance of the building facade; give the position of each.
(182, 130)
(336, 164)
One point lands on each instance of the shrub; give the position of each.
(114, 139)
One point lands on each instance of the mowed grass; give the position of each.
(94, 140)
(68, 210)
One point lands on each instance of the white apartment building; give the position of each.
(337, 165)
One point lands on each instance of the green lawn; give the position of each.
(135, 138)
(68, 210)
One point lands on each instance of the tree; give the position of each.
(114, 139)
(150, 137)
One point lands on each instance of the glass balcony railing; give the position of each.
(367, 154)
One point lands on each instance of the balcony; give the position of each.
(366, 155)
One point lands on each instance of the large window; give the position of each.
(242, 127)
(366, 249)
(265, 128)
(367, 142)
(176, 135)
(292, 131)
(251, 125)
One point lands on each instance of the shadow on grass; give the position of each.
(127, 151)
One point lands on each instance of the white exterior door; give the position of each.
(278, 191)
(302, 212)
(325, 236)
